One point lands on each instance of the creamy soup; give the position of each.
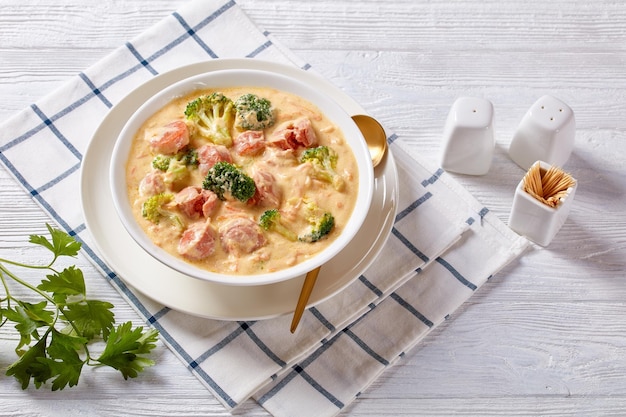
(221, 233)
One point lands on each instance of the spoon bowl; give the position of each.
(374, 135)
(376, 139)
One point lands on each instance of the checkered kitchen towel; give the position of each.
(444, 245)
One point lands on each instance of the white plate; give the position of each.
(206, 299)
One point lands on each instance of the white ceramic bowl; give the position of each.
(233, 78)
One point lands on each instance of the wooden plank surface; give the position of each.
(547, 336)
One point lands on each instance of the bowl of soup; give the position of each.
(241, 177)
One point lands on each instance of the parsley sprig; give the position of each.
(58, 333)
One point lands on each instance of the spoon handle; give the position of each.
(376, 139)
(305, 293)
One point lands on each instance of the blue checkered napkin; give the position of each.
(443, 245)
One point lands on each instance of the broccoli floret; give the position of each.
(155, 208)
(176, 166)
(212, 116)
(173, 169)
(189, 157)
(253, 112)
(324, 161)
(270, 220)
(224, 177)
(177, 172)
(161, 162)
(320, 227)
(322, 222)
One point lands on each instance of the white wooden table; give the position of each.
(547, 336)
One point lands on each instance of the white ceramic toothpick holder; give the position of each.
(537, 221)
(546, 133)
(468, 138)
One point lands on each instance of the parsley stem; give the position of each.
(22, 282)
(7, 292)
(6, 288)
(23, 265)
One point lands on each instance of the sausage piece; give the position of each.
(268, 193)
(170, 138)
(197, 241)
(209, 155)
(195, 202)
(241, 235)
(294, 133)
(250, 142)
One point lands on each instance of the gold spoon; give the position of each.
(376, 139)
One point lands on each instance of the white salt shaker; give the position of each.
(468, 138)
(537, 221)
(546, 133)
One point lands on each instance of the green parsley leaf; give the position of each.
(91, 318)
(28, 318)
(70, 281)
(123, 348)
(62, 244)
(30, 365)
(64, 362)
